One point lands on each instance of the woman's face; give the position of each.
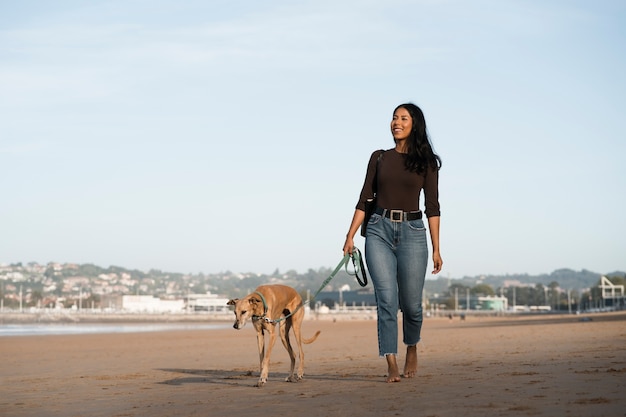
(401, 124)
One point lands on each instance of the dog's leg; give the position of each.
(265, 362)
(284, 336)
(260, 338)
(297, 331)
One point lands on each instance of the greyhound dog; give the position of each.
(267, 306)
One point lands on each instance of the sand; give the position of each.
(544, 366)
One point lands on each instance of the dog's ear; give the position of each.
(232, 302)
(254, 300)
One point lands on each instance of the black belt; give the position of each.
(399, 215)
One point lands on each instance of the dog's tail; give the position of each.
(311, 340)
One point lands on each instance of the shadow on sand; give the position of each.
(237, 377)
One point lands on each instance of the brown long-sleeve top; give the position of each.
(399, 189)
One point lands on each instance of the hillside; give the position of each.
(44, 285)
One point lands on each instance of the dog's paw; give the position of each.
(293, 378)
(260, 383)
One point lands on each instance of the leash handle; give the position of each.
(359, 267)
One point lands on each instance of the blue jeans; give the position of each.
(397, 257)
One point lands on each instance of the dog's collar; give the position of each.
(254, 317)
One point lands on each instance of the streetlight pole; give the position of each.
(569, 301)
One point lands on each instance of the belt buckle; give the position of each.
(396, 215)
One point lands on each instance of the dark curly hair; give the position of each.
(420, 154)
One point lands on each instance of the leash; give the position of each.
(359, 267)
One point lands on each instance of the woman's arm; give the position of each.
(367, 192)
(357, 220)
(433, 226)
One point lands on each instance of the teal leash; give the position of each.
(359, 267)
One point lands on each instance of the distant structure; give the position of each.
(151, 304)
(364, 297)
(206, 302)
(610, 290)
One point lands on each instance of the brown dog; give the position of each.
(267, 306)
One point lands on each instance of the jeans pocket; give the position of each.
(417, 225)
(374, 219)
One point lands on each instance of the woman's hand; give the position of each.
(433, 225)
(437, 262)
(348, 246)
(355, 224)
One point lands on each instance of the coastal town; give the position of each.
(87, 287)
(80, 287)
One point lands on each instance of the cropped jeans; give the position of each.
(397, 256)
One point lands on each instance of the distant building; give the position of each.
(480, 303)
(492, 303)
(611, 291)
(151, 304)
(363, 297)
(206, 302)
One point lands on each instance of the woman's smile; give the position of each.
(401, 124)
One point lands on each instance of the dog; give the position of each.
(267, 306)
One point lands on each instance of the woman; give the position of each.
(396, 249)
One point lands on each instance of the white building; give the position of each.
(151, 304)
(206, 302)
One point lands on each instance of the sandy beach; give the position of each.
(522, 366)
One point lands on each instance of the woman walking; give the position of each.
(396, 249)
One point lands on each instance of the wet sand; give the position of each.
(539, 366)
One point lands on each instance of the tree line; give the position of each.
(551, 295)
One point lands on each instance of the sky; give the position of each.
(211, 136)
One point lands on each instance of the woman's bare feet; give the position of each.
(393, 373)
(410, 367)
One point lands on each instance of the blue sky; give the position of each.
(206, 136)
